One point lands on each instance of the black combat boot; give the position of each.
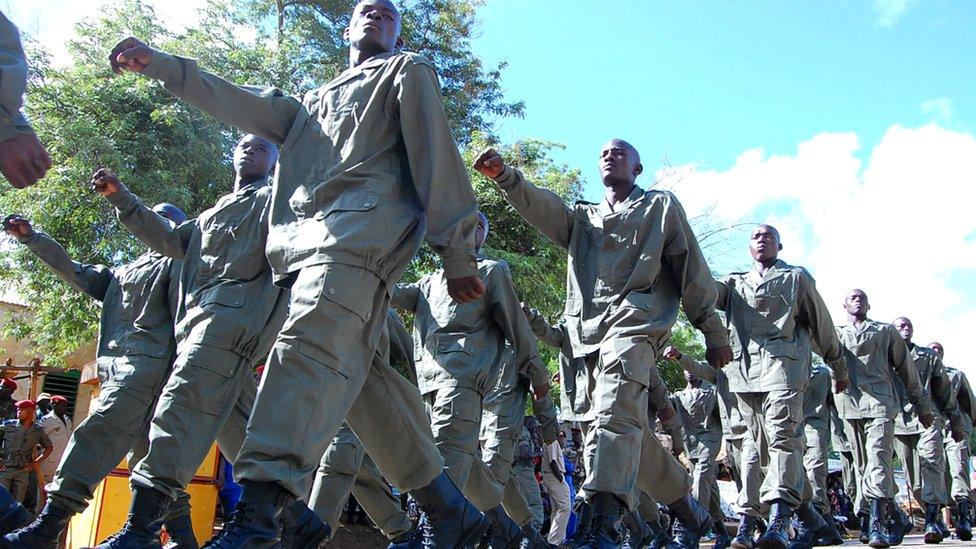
(933, 534)
(811, 527)
(180, 530)
(12, 514)
(605, 529)
(692, 522)
(449, 519)
(722, 538)
(830, 535)
(144, 523)
(256, 521)
(745, 536)
(940, 522)
(414, 539)
(44, 532)
(301, 528)
(777, 534)
(642, 533)
(899, 524)
(865, 525)
(504, 533)
(878, 528)
(532, 539)
(964, 526)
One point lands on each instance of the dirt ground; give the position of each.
(357, 537)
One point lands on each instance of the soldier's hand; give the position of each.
(719, 356)
(840, 385)
(23, 160)
(105, 182)
(926, 419)
(672, 353)
(489, 163)
(541, 391)
(958, 434)
(465, 290)
(16, 226)
(131, 54)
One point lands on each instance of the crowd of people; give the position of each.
(299, 267)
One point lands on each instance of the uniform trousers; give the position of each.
(777, 417)
(871, 441)
(815, 462)
(559, 504)
(704, 487)
(528, 488)
(923, 456)
(957, 459)
(501, 426)
(746, 457)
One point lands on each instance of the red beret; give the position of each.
(9, 383)
(25, 404)
(58, 398)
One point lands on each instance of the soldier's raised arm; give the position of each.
(901, 361)
(698, 290)
(265, 112)
(690, 365)
(92, 280)
(816, 317)
(541, 208)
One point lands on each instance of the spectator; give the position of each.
(554, 477)
(58, 426)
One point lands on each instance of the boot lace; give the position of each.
(232, 531)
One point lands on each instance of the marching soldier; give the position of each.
(921, 449)
(875, 355)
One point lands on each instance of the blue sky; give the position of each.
(847, 124)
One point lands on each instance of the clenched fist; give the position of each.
(105, 182)
(489, 163)
(23, 160)
(131, 54)
(17, 226)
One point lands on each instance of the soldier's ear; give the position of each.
(780, 247)
(345, 34)
(638, 169)
(399, 44)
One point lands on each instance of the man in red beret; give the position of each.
(18, 438)
(7, 408)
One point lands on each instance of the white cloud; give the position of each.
(890, 11)
(901, 226)
(939, 110)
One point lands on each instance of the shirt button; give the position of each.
(331, 291)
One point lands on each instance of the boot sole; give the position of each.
(770, 544)
(879, 545)
(964, 536)
(933, 538)
(472, 538)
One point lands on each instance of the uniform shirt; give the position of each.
(459, 345)
(875, 354)
(59, 431)
(699, 413)
(773, 319)
(13, 82)
(629, 265)
(526, 449)
(18, 445)
(140, 302)
(553, 452)
(228, 295)
(368, 164)
(575, 379)
(733, 425)
(961, 393)
(838, 438)
(931, 373)
(816, 411)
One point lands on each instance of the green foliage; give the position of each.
(167, 151)
(686, 339)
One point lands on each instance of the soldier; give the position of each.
(8, 407)
(19, 439)
(957, 452)
(816, 429)
(134, 356)
(875, 355)
(743, 451)
(462, 350)
(840, 444)
(775, 313)
(23, 159)
(43, 401)
(632, 257)
(697, 406)
(921, 449)
(368, 167)
(523, 472)
(229, 310)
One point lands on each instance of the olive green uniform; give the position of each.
(698, 410)
(742, 448)
(921, 449)
(875, 355)
(361, 160)
(775, 319)
(136, 345)
(230, 309)
(462, 357)
(840, 444)
(523, 472)
(17, 451)
(817, 433)
(13, 82)
(957, 453)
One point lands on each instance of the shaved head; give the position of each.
(619, 164)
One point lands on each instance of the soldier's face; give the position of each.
(60, 407)
(254, 157)
(25, 415)
(764, 243)
(856, 303)
(905, 328)
(619, 162)
(937, 347)
(375, 24)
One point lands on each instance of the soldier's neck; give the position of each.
(857, 320)
(358, 56)
(764, 265)
(618, 192)
(244, 181)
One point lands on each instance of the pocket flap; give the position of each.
(351, 202)
(228, 295)
(640, 300)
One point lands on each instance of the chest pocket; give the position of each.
(775, 308)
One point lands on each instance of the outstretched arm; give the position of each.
(92, 280)
(148, 226)
(265, 112)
